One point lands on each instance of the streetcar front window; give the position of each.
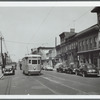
(38, 61)
(29, 61)
(34, 61)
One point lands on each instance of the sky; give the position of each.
(24, 28)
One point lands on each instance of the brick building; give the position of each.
(83, 46)
(66, 51)
(88, 51)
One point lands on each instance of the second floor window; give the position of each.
(95, 41)
(87, 42)
(90, 43)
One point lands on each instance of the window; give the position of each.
(87, 44)
(95, 41)
(34, 61)
(29, 61)
(74, 45)
(38, 61)
(80, 46)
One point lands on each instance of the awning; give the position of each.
(86, 51)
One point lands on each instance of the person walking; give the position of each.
(20, 66)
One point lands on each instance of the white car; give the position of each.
(49, 68)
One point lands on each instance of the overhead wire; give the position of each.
(74, 21)
(18, 42)
(39, 28)
(42, 22)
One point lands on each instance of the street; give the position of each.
(49, 83)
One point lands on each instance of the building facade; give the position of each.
(88, 51)
(51, 57)
(83, 46)
(71, 49)
(66, 51)
(43, 51)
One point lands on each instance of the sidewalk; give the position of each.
(1, 75)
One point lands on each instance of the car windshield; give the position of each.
(58, 65)
(90, 66)
(8, 66)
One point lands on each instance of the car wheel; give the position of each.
(23, 72)
(84, 74)
(66, 71)
(61, 71)
(70, 72)
(13, 72)
(76, 73)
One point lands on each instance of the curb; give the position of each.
(1, 76)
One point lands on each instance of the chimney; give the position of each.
(55, 41)
(72, 30)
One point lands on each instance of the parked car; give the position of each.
(87, 69)
(9, 69)
(14, 64)
(60, 67)
(71, 68)
(42, 67)
(49, 68)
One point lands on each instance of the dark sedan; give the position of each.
(60, 67)
(87, 69)
(71, 68)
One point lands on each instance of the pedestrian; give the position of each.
(20, 66)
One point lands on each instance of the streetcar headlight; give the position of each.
(34, 68)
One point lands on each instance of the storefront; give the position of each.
(90, 56)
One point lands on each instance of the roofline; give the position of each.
(45, 47)
(96, 27)
(31, 55)
(62, 33)
(96, 9)
(71, 35)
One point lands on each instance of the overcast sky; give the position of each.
(39, 26)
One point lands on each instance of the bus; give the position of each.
(31, 64)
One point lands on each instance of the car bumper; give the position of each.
(8, 72)
(49, 69)
(34, 71)
(92, 74)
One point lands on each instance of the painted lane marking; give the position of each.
(47, 87)
(56, 77)
(65, 85)
(50, 79)
(72, 81)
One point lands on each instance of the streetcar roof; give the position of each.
(33, 55)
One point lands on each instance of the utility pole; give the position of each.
(1, 45)
(2, 54)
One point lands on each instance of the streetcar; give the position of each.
(31, 64)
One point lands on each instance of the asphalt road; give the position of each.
(49, 83)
